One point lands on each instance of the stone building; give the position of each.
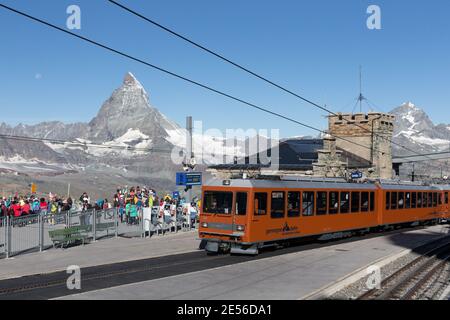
(367, 135)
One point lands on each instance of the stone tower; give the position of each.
(329, 162)
(368, 136)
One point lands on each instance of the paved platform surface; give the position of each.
(289, 276)
(98, 253)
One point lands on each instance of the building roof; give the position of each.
(294, 154)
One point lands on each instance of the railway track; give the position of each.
(423, 278)
(52, 285)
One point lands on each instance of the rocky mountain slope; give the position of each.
(414, 129)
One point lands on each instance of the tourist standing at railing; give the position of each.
(43, 206)
(16, 209)
(35, 207)
(26, 208)
(133, 213)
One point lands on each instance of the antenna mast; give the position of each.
(360, 97)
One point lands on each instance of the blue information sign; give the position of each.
(357, 175)
(189, 179)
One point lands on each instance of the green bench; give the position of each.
(68, 235)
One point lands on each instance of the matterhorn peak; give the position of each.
(130, 79)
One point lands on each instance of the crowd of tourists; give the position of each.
(128, 201)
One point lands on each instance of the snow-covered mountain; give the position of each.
(414, 129)
(99, 149)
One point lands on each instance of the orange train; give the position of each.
(243, 216)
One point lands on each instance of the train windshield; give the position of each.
(218, 202)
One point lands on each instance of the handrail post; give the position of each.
(116, 223)
(94, 223)
(8, 236)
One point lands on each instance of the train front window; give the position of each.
(446, 198)
(321, 203)
(277, 205)
(293, 204)
(218, 202)
(333, 202)
(345, 202)
(355, 201)
(241, 203)
(260, 207)
(308, 203)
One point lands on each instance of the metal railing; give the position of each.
(31, 233)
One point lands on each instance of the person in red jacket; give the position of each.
(16, 208)
(26, 208)
(43, 206)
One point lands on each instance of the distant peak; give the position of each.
(409, 104)
(130, 79)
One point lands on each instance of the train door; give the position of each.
(240, 218)
(259, 216)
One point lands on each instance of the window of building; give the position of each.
(407, 200)
(260, 204)
(364, 201)
(321, 206)
(241, 203)
(372, 201)
(307, 203)
(355, 201)
(333, 202)
(419, 199)
(277, 205)
(401, 200)
(345, 202)
(293, 204)
(218, 202)
(413, 200)
(393, 200)
(388, 200)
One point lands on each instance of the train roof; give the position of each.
(306, 184)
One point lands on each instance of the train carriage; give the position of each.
(244, 215)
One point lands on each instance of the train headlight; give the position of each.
(204, 225)
(240, 228)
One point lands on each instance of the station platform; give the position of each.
(289, 276)
(97, 253)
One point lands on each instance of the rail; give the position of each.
(416, 278)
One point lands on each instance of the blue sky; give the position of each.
(311, 47)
